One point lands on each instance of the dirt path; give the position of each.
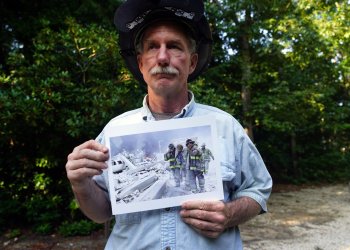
(315, 218)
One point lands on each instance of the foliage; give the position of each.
(43, 212)
(82, 227)
(285, 59)
(13, 233)
(62, 94)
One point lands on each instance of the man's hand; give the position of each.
(209, 218)
(86, 160)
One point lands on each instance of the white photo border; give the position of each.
(115, 132)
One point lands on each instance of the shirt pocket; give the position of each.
(228, 170)
(128, 219)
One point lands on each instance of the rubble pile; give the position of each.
(138, 180)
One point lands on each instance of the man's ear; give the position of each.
(139, 62)
(194, 60)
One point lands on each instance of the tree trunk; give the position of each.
(293, 143)
(246, 75)
(246, 103)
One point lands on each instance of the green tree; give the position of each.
(64, 94)
(287, 61)
(307, 101)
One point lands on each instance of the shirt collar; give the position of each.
(185, 112)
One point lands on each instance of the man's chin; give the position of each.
(164, 88)
(165, 81)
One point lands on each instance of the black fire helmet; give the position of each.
(133, 16)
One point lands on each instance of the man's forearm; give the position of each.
(242, 210)
(93, 202)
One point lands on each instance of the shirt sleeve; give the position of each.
(255, 180)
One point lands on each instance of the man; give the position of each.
(195, 171)
(179, 167)
(207, 155)
(170, 155)
(166, 44)
(174, 167)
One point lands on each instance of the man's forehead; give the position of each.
(165, 39)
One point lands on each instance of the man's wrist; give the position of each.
(83, 190)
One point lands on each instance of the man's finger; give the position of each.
(90, 150)
(85, 163)
(200, 205)
(203, 225)
(91, 144)
(77, 174)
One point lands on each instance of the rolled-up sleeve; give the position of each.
(256, 182)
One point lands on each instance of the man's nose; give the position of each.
(163, 56)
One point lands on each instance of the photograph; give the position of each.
(163, 163)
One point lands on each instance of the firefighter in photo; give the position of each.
(170, 157)
(179, 165)
(195, 167)
(185, 168)
(206, 155)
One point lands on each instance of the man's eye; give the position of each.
(151, 47)
(174, 46)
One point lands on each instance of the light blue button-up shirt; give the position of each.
(243, 174)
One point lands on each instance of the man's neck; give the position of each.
(167, 104)
(161, 116)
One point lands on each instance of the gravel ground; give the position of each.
(316, 218)
(313, 218)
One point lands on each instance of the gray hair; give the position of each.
(191, 42)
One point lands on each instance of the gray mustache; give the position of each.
(164, 70)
